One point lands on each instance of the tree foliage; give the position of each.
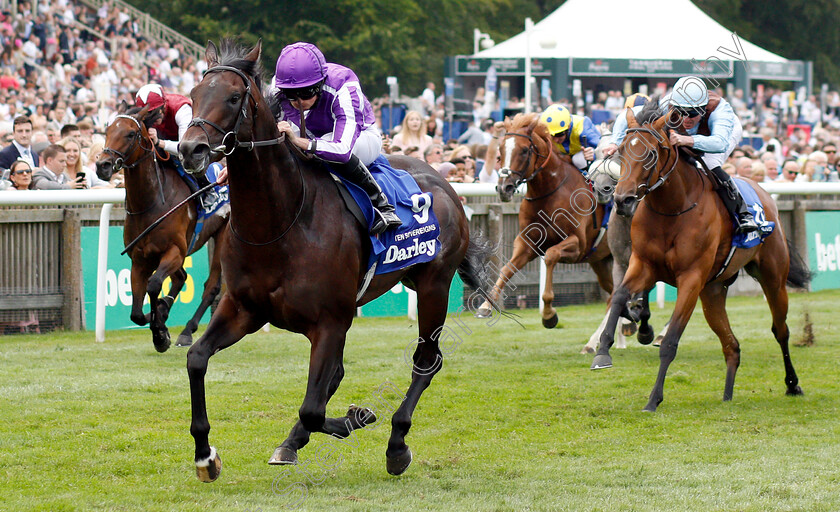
(410, 39)
(794, 29)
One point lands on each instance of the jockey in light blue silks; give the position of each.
(709, 124)
(340, 125)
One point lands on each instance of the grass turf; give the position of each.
(514, 421)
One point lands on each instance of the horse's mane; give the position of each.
(650, 111)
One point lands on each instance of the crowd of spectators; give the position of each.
(64, 68)
(785, 139)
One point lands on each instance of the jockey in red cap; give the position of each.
(175, 117)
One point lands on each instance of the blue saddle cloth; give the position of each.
(221, 190)
(416, 241)
(754, 205)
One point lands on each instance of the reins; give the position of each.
(231, 142)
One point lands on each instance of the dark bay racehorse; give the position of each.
(297, 258)
(153, 187)
(682, 235)
(558, 218)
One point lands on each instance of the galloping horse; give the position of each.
(682, 234)
(604, 175)
(297, 257)
(559, 217)
(153, 187)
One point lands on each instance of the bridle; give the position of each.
(231, 142)
(121, 158)
(645, 187)
(230, 139)
(506, 172)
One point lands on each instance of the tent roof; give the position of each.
(581, 30)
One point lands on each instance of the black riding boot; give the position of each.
(386, 217)
(209, 198)
(733, 202)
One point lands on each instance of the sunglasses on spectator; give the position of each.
(829, 151)
(303, 93)
(690, 112)
(27, 171)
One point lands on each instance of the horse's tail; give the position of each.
(474, 269)
(798, 276)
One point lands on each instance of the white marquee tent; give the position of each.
(611, 29)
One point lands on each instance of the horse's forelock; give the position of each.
(650, 111)
(233, 54)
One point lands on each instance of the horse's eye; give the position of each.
(235, 99)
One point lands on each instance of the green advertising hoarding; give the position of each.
(118, 286)
(823, 230)
(395, 301)
(118, 295)
(650, 67)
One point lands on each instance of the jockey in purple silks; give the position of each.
(340, 125)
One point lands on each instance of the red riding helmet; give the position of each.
(151, 95)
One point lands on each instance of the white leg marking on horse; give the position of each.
(203, 463)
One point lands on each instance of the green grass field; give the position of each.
(515, 421)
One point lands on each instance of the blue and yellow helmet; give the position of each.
(557, 118)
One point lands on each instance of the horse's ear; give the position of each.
(256, 51)
(631, 119)
(211, 54)
(122, 107)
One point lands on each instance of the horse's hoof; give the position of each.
(283, 455)
(207, 470)
(483, 312)
(587, 350)
(797, 391)
(601, 362)
(658, 341)
(184, 340)
(645, 336)
(361, 416)
(550, 323)
(397, 465)
(651, 407)
(161, 341)
(628, 329)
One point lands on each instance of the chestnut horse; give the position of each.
(559, 218)
(682, 235)
(153, 187)
(297, 257)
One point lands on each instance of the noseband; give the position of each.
(121, 158)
